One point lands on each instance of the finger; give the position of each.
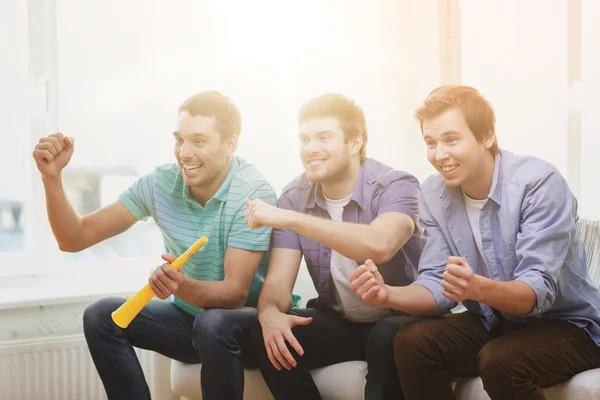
(371, 294)
(361, 280)
(451, 296)
(458, 271)
(159, 283)
(371, 265)
(47, 146)
(272, 357)
(69, 141)
(52, 141)
(172, 277)
(157, 290)
(358, 272)
(301, 320)
(169, 257)
(454, 280)
(461, 261)
(277, 353)
(378, 276)
(285, 351)
(291, 339)
(42, 155)
(366, 287)
(450, 288)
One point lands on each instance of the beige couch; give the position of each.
(346, 381)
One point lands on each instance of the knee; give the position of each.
(412, 342)
(382, 335)
(98, 314)
(499, 359)
(220, 325)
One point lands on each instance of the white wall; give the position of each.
(124, 67)
(515, 53)
(590, 100)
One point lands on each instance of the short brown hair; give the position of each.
(478, 112)
(211, 103)
(349, 114)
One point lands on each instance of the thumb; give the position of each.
(302, 320)
(69, 141)
(457, 260)
(371, 265)
(169, 257)
(378, 276)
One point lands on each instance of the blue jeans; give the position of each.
(214, 338)
(331, 339)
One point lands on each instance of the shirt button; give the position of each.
(325, 254)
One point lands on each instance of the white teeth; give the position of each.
(191, 167)
(315, 162)
(448, 168)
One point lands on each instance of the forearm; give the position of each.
(274, 298)
(411, 299)
(66, 223)
(354, 241)
(211, 294)
(513, 297)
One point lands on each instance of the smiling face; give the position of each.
(455, 152)
(204, 159)
(325, 153)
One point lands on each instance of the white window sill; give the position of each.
(71, 283)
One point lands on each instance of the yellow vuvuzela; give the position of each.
(127, 312)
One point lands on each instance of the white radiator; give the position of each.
(61, 368)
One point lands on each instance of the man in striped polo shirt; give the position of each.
(203, 193)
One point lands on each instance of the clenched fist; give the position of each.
(53, 153)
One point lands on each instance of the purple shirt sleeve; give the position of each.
(401, 195)
(285, 238)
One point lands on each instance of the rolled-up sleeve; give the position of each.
(400, 195)
(433, 259)
(285, 238)
(548, 217)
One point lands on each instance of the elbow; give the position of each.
(382, 252)
(69, 247)
(238, 300)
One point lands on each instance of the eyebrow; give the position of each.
(193, 135)
(446, 133)
(316, 134)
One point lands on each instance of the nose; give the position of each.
(440, 152)
(184, 151)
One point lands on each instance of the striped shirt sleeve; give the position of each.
(241, 235)
(136, 197)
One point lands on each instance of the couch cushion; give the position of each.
(583, 386)
(343, 381)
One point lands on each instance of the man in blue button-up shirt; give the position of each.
(500, 236)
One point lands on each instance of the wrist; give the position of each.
(481, 286)
(52, 180)
(266, 313)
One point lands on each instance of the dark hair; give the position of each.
(478, 112)
(211, 103)
(350, 116)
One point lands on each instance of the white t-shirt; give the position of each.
(349, 303)
(473, 208)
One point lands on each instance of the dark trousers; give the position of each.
(331, 339)
(215, 338)
(515, 361)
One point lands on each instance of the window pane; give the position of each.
(14, 124)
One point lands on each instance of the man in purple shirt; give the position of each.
(344, 209)
(501, 237)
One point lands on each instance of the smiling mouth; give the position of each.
(315, 163)
(448, 168)
(191, 167)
